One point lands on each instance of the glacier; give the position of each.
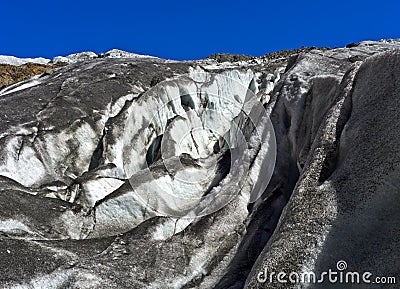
(126, 171)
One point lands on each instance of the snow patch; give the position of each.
(20, 86)
(12, 60)
(11, 226)
(116, 53)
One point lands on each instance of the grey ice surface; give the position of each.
(95, 160)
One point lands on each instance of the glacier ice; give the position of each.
(123, 171)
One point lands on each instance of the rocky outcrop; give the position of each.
(137, 172)
(224, 57)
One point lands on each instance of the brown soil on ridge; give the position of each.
(10, 74)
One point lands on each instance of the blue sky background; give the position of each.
(189, 29)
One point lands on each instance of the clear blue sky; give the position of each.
(189, 29)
